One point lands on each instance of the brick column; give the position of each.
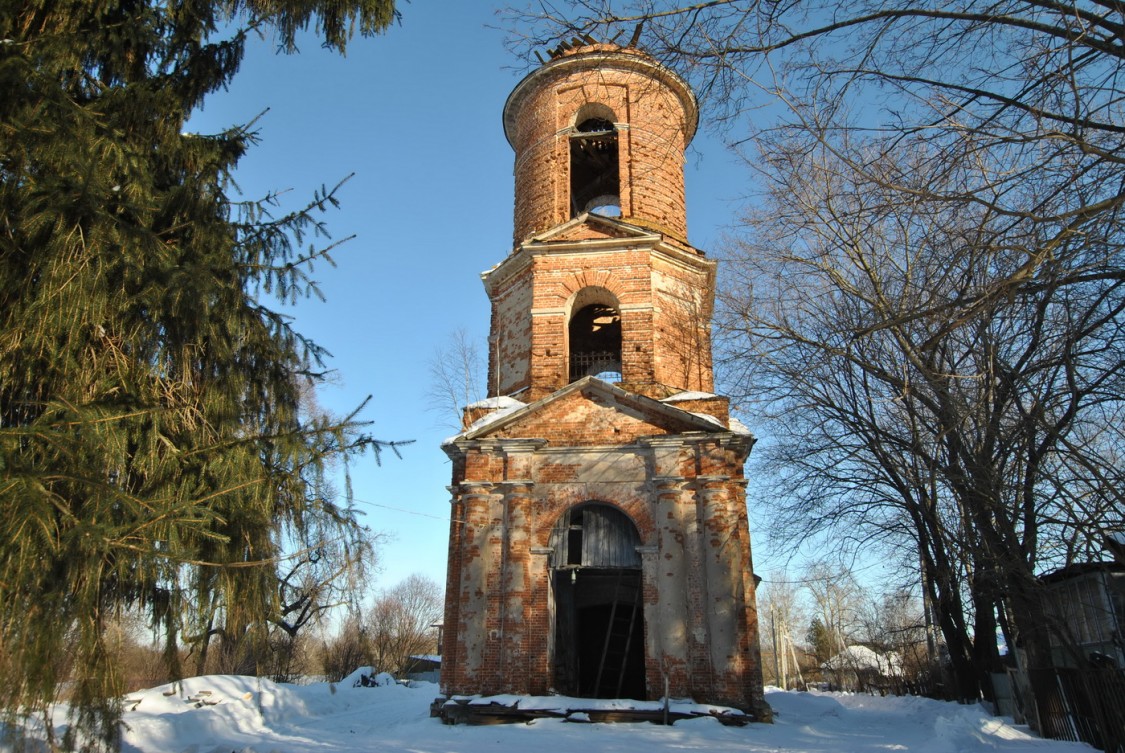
(451, 645)
(670, 622)
(723, 592)
(477, 607)
(696, 616)
(650, 600)
(751, 649)
(515, 582)
(540, 625)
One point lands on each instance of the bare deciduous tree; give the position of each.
(927, 308)
(782, 615)
(456, 381)
(346, 651)
(400, 623)
(901, 419)
(894, 626)
(838, 601)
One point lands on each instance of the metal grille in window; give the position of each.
(604, 365)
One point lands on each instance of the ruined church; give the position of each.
(599, 544)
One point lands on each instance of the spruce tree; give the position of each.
(153, 455)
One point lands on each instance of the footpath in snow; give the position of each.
(221, 714)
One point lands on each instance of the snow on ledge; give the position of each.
(708, 417)
(689, 395)
(501, 407)
(738, 427)
(495, 403)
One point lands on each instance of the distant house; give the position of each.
(424, 667)
(1086, 606)
(862, 668)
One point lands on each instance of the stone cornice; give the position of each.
(493, 445)
(600, 57)
(637, 238)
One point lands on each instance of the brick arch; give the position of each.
(591, 278)
(597, 584)
(594, 161)
(558, 504)
(593, 109)
(617, 536)
(591, 294)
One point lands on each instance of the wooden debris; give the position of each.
(464, 711)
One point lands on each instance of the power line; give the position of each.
(445, 518)
(823, 579)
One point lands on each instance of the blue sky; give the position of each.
(416, 115)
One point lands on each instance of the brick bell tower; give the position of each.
(599, 544)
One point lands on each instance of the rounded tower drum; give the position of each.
(600, 128)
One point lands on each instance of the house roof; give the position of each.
(1079, 569)
(862, 658)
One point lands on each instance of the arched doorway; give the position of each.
(599, 609)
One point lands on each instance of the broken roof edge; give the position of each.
(636, 237)
(737, 427)
(603, 55)
(635, 229)
(637, 232)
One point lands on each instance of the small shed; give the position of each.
(1085, 604)
(424, 667)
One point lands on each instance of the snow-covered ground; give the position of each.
(248, 715)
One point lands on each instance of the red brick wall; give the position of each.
(664, 298)
(684, 493)
(683, 489)
(655, 113)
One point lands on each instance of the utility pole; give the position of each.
(784, 654)
(776, 652)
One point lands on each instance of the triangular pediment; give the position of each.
(592, 412)
(590, 226)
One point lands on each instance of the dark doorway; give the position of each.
(599, 609)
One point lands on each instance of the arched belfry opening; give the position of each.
(595, 179)
(598, 604)
(594, 336)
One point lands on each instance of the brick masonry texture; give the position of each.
(674, 468)
(655, 113)
(665, 297)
